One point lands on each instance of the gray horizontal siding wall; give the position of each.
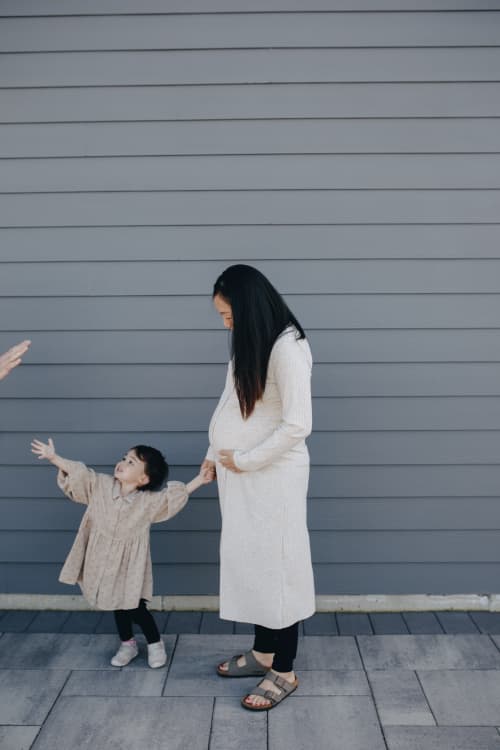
(348, 148)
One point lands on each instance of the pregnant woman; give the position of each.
(257, 445)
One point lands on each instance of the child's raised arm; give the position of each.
(48, 451)
(74, 478)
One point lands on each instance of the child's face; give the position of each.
(131, 471)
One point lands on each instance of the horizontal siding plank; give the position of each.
(44, 416)
(326, 448)
(353, 136)
(249, 66)
(119, 7)
(184, 547)
(189, 381)
(212, 347)
(231, 245)
(188, 579)
(269, 100)
(340, 481)
(222, 31)
(272, 172)
(422, 513)
(295, 277)
(324, 312)
(252, 207)
(62, 515)
(356, 578)
(399, 513)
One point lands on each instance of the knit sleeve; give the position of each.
(168, 502)
(78, 483)
(291, 365)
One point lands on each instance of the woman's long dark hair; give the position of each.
(260, 315)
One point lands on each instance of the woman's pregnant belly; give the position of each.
(229, 430)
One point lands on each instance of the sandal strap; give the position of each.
(270, 695)
(251, 666)
(280, 682)
(284, 687)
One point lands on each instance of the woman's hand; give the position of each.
(43, 450)
(226, 458)
(12, 358)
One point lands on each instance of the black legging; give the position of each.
(282, 643)
(142, 617)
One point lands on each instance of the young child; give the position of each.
(110, 558)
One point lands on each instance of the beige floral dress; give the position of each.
(111, 558)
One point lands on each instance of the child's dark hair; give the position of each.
(155, 466)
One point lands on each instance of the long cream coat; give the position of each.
(110, 558)
(266, 574)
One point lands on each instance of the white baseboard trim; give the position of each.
(324, 603)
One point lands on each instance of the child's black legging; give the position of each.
(142, 617)
(282, 643)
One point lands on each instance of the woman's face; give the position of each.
(224, 309)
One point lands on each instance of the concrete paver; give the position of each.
(354, 623)
(399, 698)
(457, 622)
(463, 697)
(328, 652)
(56, 651)
(27, 695)
(193, 669)
(17, 738)
(429, 652)
(370, 692)
(442, 738)
(88, 723)
(419, 623)
(388, 623)
(234, 728)
(332, 682)
(100, 682)
(328, 723)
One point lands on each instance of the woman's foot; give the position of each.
(259, 701)
(264, 659)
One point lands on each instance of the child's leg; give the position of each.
(143, 617)
(128, 648)
(123, 620)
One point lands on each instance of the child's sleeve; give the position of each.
(78, 482)
(168, 502)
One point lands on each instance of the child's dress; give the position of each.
(111, 558)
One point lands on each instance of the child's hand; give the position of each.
(207, 474)
(43, 450)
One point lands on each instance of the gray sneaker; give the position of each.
(125, 654)
(157, 656)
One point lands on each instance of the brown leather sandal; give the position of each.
(251, 668)
(286, 688)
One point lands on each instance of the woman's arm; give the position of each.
(12, 357)
(292, 372)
